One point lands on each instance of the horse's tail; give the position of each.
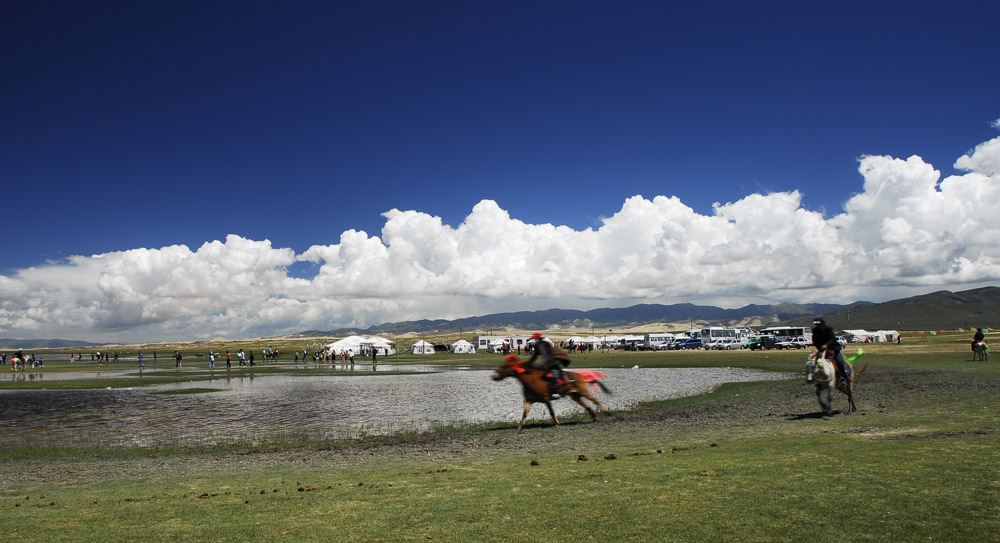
(593, 378)
(856, 373)
(604, 389)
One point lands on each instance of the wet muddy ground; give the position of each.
(270, 407)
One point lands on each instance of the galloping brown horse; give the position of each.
(536, 387)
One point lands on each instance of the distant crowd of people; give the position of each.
(20, 362)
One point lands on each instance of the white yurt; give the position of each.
(361, 346)
(422, 347)
(496, 346)
(380, 345)
(351, 343)
(462, 347)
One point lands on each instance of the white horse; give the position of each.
(823, 372)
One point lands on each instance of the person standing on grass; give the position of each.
(177, 359)
(251, 358)
(229, 360)
(211, 360)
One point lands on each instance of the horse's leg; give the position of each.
(849, 392)
(524, 417)
(552, 412)
(578, 398)
(586, 394)
(819, 396)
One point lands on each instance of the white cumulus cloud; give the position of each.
(905, 231)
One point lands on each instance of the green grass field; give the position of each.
(748, 462)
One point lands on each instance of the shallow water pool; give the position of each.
(291, 406)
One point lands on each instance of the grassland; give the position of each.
(748, 462)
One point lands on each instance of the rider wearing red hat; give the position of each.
(553, 359)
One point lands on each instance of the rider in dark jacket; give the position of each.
(553, 359)
(978, 337)
(824, 339)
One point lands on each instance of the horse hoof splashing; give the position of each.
(536, 388)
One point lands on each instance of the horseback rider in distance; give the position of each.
(824, 339)
(553, 359)
(978, 337)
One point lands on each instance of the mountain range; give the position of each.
(935, 311)
(624, 318)
(938, 310)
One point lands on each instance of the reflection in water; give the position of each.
(292, 406)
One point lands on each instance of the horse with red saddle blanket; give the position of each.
(576, 385)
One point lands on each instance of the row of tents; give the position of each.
(459, 347)
(363, 346)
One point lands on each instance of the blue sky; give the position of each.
(144, 125)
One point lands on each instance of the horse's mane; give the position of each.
(518, 365)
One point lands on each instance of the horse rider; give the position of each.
(824, 339)
(977, 338)
(553, 359)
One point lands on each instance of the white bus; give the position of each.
(789, 333)
(656, 340)
(711, 334)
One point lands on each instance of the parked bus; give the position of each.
(709, 335)
(789, 333)
(656, 340)
(715, 337)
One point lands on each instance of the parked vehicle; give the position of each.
(728, 344)
(762, 343)
(712, 345)
(690, 343)
(794, 343)
(676, 343)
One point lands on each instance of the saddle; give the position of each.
(557, 386)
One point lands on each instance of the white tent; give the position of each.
(422, 347)
(359, 345)
(462, 347)
(880, 336)
(349, 343)
(380, 345)
(497, 345)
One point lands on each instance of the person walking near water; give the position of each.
(229, 360)
(141, 364)
(251, 358)
(177, 359)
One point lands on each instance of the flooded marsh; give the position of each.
(243, 407)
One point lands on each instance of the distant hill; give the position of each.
(601, 319)
(28, 344)
(936, 311)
